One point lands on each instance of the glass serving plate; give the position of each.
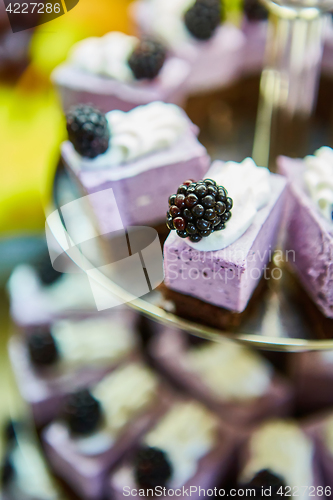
(277, 321)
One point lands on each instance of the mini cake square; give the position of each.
(119, 71)
(309, 224)
(214, 259)
(40, 295)
(280, 456)
(98, 426)
(187, 448)
(146, 152)
(49, 363)
(192, 30)
(230, 379)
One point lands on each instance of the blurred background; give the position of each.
(31, 129)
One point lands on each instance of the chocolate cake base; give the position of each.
(197, 310)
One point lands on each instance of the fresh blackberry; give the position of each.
(47, 274)
(203, 18)
(198, 209)
(88, 130)
(254, 10)
(152, 467)
(82, 412)
(42, 348)
(265, 479)
(147, 59)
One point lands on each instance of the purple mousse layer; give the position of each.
(142, 187)
(228, 277)
(168, 350)
(77, 86)
(310, 237)
(212, 470)
(312, 377)
(87, 474)
(315, 427)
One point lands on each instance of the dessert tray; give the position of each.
(276, 322)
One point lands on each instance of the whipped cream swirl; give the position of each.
(186, 433)
(111, 340)
(141, 131)
(282, 447)
(230, 371)
(249, 187)
(318, 178)
(106, 56)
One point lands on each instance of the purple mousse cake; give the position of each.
(40, 295)
(192, 31)
(141, 155)
(98, 426)
(312, 377)
(310, 224)
(50, 363)
(187, 449)
(320, 428)
(119, 71)
(280, 457)
(232, 380)
(224, 232)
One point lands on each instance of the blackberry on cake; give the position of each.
(265, 478)
(82, 412)
(147, 59)
(88, 130)
(203, 18)
(42, 349)
(198, 209)
(152, 467)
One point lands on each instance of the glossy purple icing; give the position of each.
(228, 277)
(77, 86)
(310, 238)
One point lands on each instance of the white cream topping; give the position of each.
(186, 433)
(230, 371)
(141, 131)
(249, 187)
(318, 178)
(94, 340)
(167, 20)
(123, 394)
(282, 447)
(107, 55)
